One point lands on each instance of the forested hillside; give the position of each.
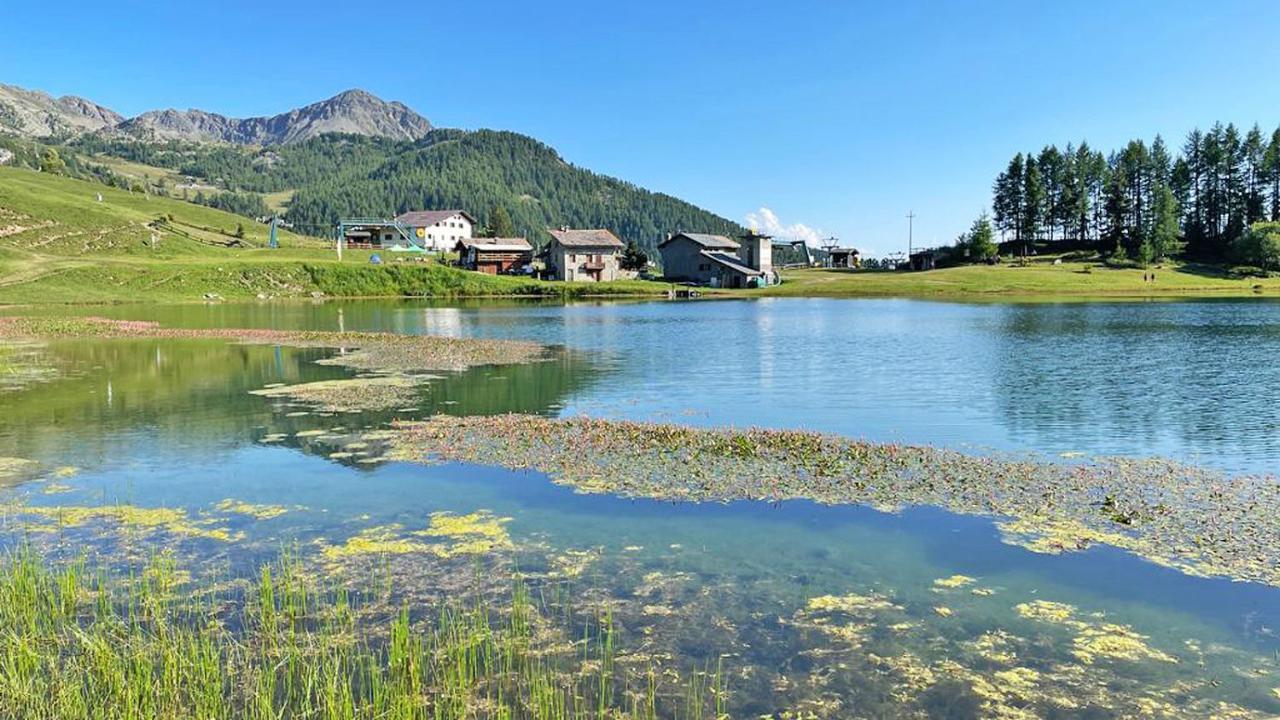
(346, 175)
(1146, 200)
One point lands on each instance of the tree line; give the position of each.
(1145, 201)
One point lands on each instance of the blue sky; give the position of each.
(840, 116)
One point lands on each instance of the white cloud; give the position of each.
(766, 221)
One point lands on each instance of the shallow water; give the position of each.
(172, 424)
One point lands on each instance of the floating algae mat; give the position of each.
(15, 470)
(1199, 521)
(171, 521)
(352, 395)
(448, 535)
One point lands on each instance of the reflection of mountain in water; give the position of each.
(1177, 379)
(144, 398)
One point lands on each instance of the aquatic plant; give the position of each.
(376, 392)
(174, 521)
(84, 642)
(447, 535)
(1193, 519)
(861, 644)
(255, 511)
(15, 470)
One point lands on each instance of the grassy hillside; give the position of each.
(58, 243)
(1036, 280)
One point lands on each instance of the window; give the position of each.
(704, 267)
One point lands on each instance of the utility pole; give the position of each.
(911, 216)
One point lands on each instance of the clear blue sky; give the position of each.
(838, 115)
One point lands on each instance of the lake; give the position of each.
(813, 610)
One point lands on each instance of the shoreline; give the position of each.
(969, 284)
(1012, 297)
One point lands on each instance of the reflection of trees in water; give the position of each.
(1183, 379)
(194, 396)
(187, 393)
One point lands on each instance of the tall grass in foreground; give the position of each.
(76, 642)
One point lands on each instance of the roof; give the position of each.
(586, 238)
(513, 244)
(845, 251)
(427, 218)
(733, 262)
(710, 242)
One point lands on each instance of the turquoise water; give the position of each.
(172, 424)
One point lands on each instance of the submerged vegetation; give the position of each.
(439, 623)
(23, 364)
(1196, 520)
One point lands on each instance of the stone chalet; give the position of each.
(718, 261)
(583, 255)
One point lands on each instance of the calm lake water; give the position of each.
(1196, 381)
(172, 423)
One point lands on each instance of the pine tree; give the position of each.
(500, 224)
(1050, 165)
(1253, 152)
(1271, 164)
(1032, 204)
(1164, 239)
(1007, 203)
(1118, 210)
(633, 258)
(980, 240)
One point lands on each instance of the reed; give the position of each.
(82, 641)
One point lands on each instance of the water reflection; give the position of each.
(121, 401)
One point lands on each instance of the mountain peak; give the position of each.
(356, 111)
(355, 94)
(352, 111)
(37, 114)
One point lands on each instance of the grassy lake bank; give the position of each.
(1041, 280)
